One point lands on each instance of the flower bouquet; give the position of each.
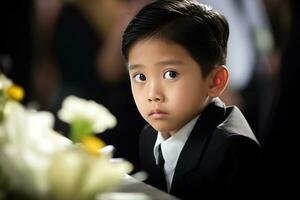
(36, 162)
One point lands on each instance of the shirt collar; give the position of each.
(172, 146)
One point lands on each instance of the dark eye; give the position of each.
(139, 78)
(170, 75)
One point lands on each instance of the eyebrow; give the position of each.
(161, 63)
(133, 66)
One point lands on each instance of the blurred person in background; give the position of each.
(279, 15)
(84, 59)
(281, 133)
(87, 51)
(45, 75)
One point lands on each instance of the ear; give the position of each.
(218, 80)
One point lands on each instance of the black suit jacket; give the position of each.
(220, 157)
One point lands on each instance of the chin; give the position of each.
(162, 128)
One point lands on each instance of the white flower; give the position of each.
(75, 174)
(37, 161)
(28, 143)
(4, 82)
(75, 109)
(103, 176)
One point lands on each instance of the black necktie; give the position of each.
(160, 159)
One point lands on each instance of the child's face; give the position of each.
(166, 83)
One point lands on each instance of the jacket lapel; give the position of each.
(193, 149)
(156, 176)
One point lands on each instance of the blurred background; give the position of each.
(54, 48)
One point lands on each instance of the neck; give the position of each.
(166, 135)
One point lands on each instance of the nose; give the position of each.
(155, 93)
(156, 99)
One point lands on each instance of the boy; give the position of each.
(194, 145)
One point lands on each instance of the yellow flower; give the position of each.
(92, 144)
(15, 92)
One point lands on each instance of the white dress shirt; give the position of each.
(172, 147)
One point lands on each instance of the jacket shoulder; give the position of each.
(235, 124)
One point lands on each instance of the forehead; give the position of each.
(151, 51)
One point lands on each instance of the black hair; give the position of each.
(202, 31)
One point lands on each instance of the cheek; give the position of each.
(139, 99)
(136, 95)
(188, 95)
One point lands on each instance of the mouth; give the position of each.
(157, 114)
